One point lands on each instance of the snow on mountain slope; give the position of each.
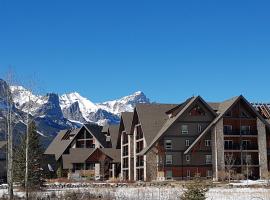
(74, 107)
(21, 97)
(125, 104)
(85, 106)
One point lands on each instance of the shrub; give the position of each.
(196, 190)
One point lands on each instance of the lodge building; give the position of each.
(171, 141)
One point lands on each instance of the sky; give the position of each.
(170, 50)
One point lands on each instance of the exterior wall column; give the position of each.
(262, 148)
(217, 140)
(134, 153)
(130, 156)
(122, 161)
(113, 170)
(97, 169)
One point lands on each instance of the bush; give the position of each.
(196, 190)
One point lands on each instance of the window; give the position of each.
(187, 143)
(245, 129)
(188, 158)
(199, 128)
(208, 159)
(188, 173)
(227, 128)
(228, 144)
(248, 159)
(125, 150)
(184, 129)
(168, 144)
(196, 111)
(169, 159)
(169, 174)
(246, 144)
(209, 174)
(207, 143)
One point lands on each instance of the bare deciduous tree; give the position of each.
(229, 163)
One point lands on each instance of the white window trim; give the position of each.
(199, 128)
(168, 147)
(187, 143)
(188, 173)
(208, 161)
(207, 143)
(184, 131)
(171, 160)
(188, 158)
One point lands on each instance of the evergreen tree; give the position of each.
(35, 155)
(195, 191)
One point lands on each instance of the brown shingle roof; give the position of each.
(181, 109)
(114, 130)
(127, 120)
(58, 145)
(76, 155)
(152, 117)
(96, 131)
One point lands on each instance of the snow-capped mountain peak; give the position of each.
(67, 100)
(75, 107)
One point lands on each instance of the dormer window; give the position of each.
(196, 111)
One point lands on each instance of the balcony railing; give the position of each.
(238, 132)
(241, 147)
(252, 162)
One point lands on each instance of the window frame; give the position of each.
(167, 160)
(187, 142)
(207, 143)
(206, 159)
(184, 131)
(168, 147)
(188, 158)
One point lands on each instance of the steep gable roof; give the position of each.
(222, 109)
(171, 120)
(58, 146)
(152, 117)
(96, 132)
(126, 118)
(114, 130)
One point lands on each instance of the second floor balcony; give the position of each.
(241, 132)
(238, 146)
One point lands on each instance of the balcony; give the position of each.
(241, 133)
(238, 147)
(253, 162)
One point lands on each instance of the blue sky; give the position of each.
(170, 50)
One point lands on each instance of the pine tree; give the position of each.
(35, 154)
(195, 191)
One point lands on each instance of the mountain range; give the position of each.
(53, 112)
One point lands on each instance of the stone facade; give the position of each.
(151, 165)
(218, 148)
(262, 148)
